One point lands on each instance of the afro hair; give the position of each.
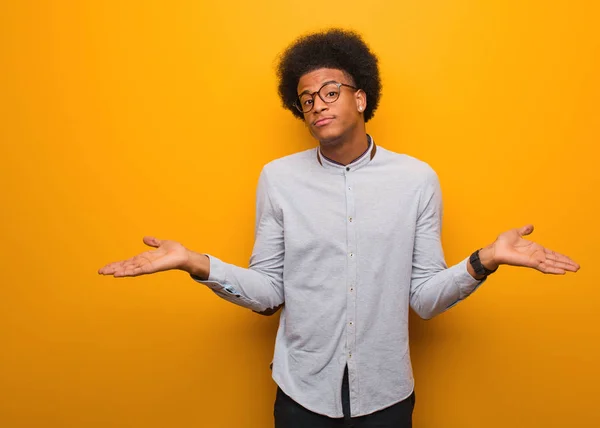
(334, 48)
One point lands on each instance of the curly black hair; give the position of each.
(334, 48)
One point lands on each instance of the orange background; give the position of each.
(124, 119)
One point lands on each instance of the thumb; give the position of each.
(525, 230)
(152, 241)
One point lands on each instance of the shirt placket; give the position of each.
(351, 290)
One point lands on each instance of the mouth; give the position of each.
(323, 121)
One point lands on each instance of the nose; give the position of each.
(319, 105)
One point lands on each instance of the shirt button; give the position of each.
(347, 168)
(350, 219)
(351, 289)
(351, 255)
(350, 322)
(349, 188)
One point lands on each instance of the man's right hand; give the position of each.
(168, 255)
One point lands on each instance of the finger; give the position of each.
(122, 273)
(131, 267)
(152, 241)
(560, 265)
(110, 268)
(113, 267)
(133, 271)
(139, 260)
(547, 266)
(553, 255)
(552, 270)
(525, 230)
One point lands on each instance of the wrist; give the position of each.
(197, 265)
(487, 257)
(482, 262)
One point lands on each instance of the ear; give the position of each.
(361, 100)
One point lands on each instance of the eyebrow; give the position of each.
(306, 91)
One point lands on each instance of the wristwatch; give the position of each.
(479, 268)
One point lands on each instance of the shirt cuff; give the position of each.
(465, 281)
(217, 276)
(217, 282)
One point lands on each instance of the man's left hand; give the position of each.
(510, 248)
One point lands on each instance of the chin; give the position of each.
(327, 136)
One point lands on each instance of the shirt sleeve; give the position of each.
(260, 286)
(434, 286)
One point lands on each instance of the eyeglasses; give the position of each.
(329, 93)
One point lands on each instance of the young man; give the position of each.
(347, 237)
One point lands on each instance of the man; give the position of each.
(347, 238)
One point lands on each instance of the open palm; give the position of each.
(168, 255)
(512, 249)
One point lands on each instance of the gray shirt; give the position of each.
(348, 249)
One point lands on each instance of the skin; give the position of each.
(343, 139)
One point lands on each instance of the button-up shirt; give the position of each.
(348, 248)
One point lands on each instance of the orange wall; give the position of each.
(119, 119)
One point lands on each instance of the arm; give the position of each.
(435, 287)
(260, 287)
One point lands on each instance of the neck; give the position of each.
(345, 150)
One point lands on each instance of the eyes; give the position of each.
(329, 93)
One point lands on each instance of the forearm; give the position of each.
(257, 289)
(436, 290)
(260, 286)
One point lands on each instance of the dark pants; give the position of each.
(289, 414)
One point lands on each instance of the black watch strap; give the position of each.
(479, 268)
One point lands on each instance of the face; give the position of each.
(331, 123)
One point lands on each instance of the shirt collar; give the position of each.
(362, 160)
